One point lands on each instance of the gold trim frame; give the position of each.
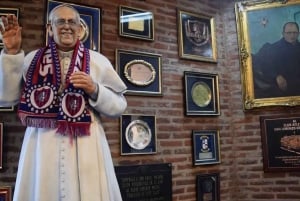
(5, 193)
(260, 23)
(196, 33)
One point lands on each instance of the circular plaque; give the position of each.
(201, 94)
(138, 134)
(84, 34)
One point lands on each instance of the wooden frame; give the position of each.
(201, 94)
(280, 135)
(90, 20)
(138, 134)
(5, 193)
(1, 145)
(6, 11)
(259, 27)
(140, 71)
(208, 187)
(136, 23)
(206, 147)
(196, 33)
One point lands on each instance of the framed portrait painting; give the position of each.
(268, 33)
(196, 33)
(5, 193)
(90, 22)
(4, 12)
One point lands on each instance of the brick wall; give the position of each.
(241, 169)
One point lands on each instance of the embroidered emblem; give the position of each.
(73, 106)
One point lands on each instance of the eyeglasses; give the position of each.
(291, 32)
(62, 22)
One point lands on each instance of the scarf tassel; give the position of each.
(73, 129)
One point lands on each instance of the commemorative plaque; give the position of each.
(208, 187)
(151, 182)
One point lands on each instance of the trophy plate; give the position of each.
(201, 94)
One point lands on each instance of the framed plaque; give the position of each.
(136, 23)
(4, 12)
(90, 20)
(208, 187)
(196, 35)
(201, 93)
(206, 147)
(1, 145)
(280, 135)
(140, 71)
(138, 134)
(5, 193)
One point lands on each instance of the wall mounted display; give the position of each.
(206, 147)
(280, 135)
(201, 93)
(196, 33)
(136, 23)
(4, 12)
(90, 21)
(5, 193)
(1, 145)
(269, 67)
(208, 187)
(140, 71)
(138, 134)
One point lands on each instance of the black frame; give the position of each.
(280, 145)
(136, 23)
(206, 147)
(125, 57)
(208, 187)
(196, 34)
(126, 121)
(201, 94)
(90, 20)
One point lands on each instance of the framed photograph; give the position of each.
(201, 94)
(269, 62)
(90, 21)
(138, 134)
(1, 145)
(196, 34)
(4, 12)
(140, 71)
(206, 147)
(208, 187)
(5, 193)
(136, 23)
(280, 135)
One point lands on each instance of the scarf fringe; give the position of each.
(73, 129)
(38, 122)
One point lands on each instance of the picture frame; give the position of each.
(138, 134)
(136, 23)
(90, 21)
(6, 11)
(197, 37)
(208, 187)
(7, 109)
(140, 71)
(201, 94)
(5, 193)
(260, 31)
(206, 147)
(1, 145)
(280, 142)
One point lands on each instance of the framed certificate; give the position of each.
(206, 147)
(138, 134)
(201, 94)
(136, 23)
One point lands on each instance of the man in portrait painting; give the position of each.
(276, 67)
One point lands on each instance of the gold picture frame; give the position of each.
(261, 25)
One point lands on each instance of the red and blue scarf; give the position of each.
(41, 104)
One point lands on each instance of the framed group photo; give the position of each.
(201, 94)
(269, 64)
(206, 147)
(196, 33)
(136, 23)
(90, 21)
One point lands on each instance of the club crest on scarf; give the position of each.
(41, 104)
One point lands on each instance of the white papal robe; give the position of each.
(50, 167)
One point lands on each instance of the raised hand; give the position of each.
(11, 34)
